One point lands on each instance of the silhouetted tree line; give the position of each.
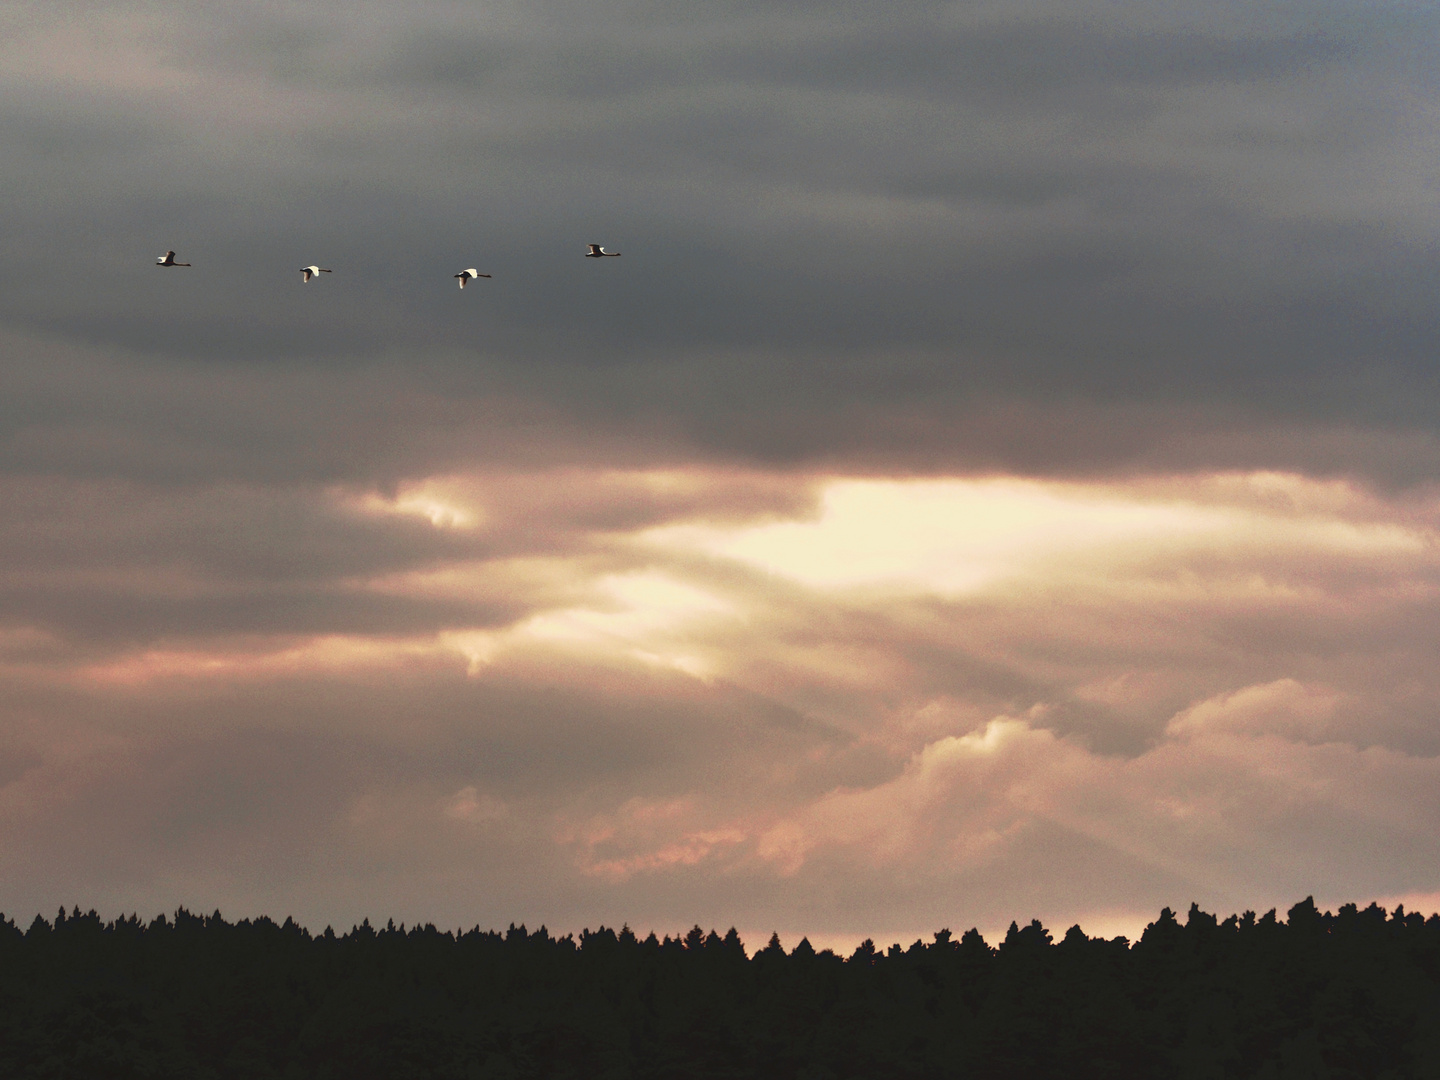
(1350, 994)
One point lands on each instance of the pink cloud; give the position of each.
(639, 691)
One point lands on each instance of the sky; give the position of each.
(1000, 479)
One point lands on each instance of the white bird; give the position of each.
(598, 252)
(309, 272)
(468, 275)
(168, 259)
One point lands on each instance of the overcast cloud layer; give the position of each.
(999, 478)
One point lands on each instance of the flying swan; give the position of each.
(598, 252)
(168, 259)
(309, 272)
(468, 275)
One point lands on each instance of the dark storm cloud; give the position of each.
(919, 51)
(823, 209)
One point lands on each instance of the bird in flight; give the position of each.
(168, 259)
(598, 252)
(309, 272)
(468, 275)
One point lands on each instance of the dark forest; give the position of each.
(1354, 993)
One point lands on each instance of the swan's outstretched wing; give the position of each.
(596, 249)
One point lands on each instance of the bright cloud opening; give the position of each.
(959, 535)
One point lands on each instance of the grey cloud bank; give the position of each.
(824, 209)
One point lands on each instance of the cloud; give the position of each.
(617, 691)
(1283, 707)
(1000, 474)
(850, 236)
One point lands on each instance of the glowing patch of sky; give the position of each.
(955, 535)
